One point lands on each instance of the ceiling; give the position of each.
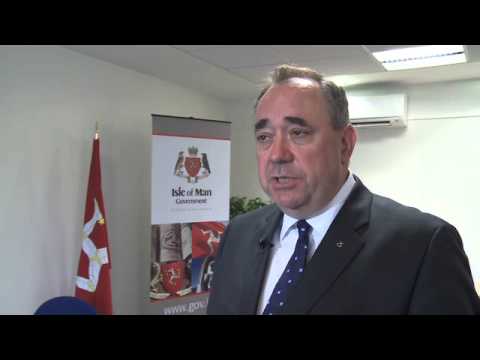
(231, 72)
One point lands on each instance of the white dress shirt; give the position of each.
(284, 240)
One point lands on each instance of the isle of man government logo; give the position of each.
(193, 166)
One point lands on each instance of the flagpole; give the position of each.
(94, 287)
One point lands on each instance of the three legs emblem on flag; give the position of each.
(97, 257)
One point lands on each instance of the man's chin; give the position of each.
(288, 206)
(296, 207)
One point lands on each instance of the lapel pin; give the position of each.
(340, 244)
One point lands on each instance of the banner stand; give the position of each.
(190, 195)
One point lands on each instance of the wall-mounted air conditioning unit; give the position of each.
(378, 110)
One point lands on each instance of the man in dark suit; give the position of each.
(328, 245)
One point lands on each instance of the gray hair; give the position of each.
(334, 95)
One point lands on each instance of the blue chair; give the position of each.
(65, 305)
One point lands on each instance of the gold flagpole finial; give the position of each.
(96, 131)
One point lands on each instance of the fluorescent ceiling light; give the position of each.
(421, 56)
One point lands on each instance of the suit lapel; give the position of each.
(259, 256)
(341, 244)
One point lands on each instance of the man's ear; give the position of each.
(349, 139)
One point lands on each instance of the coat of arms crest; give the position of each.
(193, 166)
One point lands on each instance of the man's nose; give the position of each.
(280, 150)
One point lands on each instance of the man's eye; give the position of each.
(263, 138)
(299, 133)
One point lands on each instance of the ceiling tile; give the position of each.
(327, 67)
(190, 48)
(255, 74)
(239, 69)
(297, 53)
(170, 64)
(234, 56)
(347, 66)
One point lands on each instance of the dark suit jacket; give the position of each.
(377, 257)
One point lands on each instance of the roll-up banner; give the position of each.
(190, 194)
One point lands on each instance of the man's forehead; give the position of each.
(300, 82)
(290, 91)
(298, 86)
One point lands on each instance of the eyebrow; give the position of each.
(262, 123)
(296, 120)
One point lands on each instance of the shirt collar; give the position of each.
(337, 202)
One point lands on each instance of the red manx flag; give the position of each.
(206, 238)
(93, 283)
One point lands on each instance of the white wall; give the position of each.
(50, 99)
(244, 180)
(432, 165)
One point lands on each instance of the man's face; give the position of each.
(302, 160)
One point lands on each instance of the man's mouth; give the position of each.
(281, 179)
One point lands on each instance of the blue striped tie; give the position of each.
(292, 272)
